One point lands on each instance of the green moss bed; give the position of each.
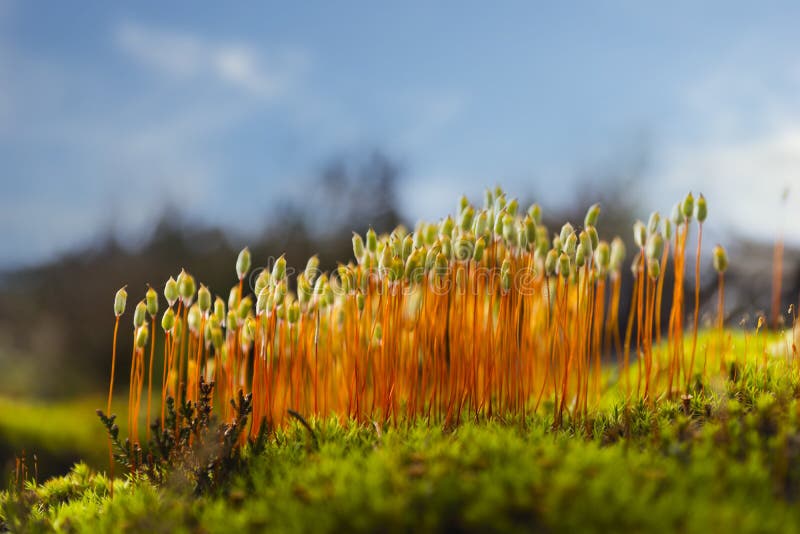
(726, 460)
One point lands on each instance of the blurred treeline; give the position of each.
(56, 319)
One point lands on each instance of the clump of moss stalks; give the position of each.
(488, 315)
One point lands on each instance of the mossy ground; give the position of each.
(728, 460)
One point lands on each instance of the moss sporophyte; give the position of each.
(483, 315)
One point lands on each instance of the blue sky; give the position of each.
(109, 112)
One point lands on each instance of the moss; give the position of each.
(728, 457)
(735, 466)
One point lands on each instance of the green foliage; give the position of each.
(193, 447)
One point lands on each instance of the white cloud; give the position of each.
(744, 151)
(89, 156)
(185, 56)
(745, 181)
